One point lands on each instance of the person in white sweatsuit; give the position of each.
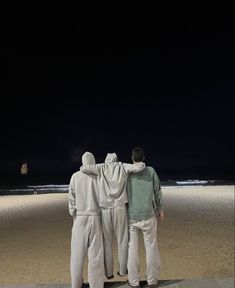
(86, 231)
(113, 199)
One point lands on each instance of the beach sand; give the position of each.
(196, 240)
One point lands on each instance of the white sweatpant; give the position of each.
(114, 220)
(149, 229)
(87, 237)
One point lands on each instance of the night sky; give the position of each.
(108, 78)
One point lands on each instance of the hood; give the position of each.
(88, 159)
(111, 157)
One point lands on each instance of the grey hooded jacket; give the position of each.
(112, 179)
(83, 190)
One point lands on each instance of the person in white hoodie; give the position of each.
(113, 200)
(86, 232)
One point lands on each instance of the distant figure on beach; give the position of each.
(113, 200)
(144, 206)
(86, 231)
(24, 168)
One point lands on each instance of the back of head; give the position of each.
(88, 159)
(137, 154)
(111, 157)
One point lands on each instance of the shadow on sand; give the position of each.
(143, 284)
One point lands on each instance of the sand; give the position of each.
(196, 240)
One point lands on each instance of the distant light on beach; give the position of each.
(24, 169)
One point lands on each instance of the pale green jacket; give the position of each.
(144, 194)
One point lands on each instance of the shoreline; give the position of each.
(63, 188)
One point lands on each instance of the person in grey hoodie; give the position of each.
(86, 232)
(113, 200)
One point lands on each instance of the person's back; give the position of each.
(84, 199)
(144, 203)
(112, 182)
(86, 232)
(141, 205)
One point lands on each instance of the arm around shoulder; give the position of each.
(91, 169)
(133, 168)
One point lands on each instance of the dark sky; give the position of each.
(108, 78)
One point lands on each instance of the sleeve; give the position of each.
(91, 169)
(157, 201)
(72, 197)
(133, 168)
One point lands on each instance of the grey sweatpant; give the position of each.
(114, 220)
(87, 237)
(149, 229)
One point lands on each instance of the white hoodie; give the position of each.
(112, 180)
(83, 190)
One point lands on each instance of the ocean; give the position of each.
(30, 189)
(51, 182)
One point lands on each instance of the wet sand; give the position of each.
(196, 240)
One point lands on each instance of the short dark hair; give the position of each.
(137, 154)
